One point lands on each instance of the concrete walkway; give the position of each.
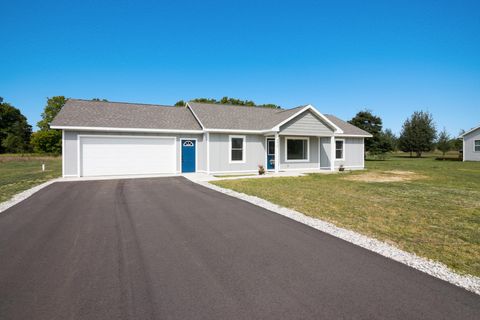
(203, 177)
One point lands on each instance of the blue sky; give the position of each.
(392, 57)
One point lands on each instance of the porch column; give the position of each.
(277, 152)
(332, 153)
(207, 140)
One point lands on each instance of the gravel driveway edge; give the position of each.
(19, 197)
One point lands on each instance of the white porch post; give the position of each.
(207, 139)
(332, 153)
(277, 152)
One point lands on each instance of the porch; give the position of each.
(287, 152)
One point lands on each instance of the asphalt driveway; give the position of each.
(166, 248)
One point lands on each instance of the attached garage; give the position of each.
(122, 155)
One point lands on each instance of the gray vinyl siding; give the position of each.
(353, 154)
(71, 147)
(306, 124)
(325, 153)
(220, 153)
(312, 162)
(469, 153)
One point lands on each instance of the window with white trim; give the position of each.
(476, 146)
(339, 144)
(297, 149)
(237, 148)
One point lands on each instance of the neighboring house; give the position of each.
(111, 138)
(471, 145)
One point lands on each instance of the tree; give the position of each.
(391, 139)
(230, 101)
(444, 142)
(180, 103)
(15, 131)
(418, 133)
(457, 143)
(53, 107)
(365, 120)
(13, 144)
(47, 140)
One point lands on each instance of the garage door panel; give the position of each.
(127, 155)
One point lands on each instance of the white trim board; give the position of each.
(63, 153)
(336, 129)
(266, 152)
(343, 150)
(469, 131)
(297, 138)
(194, 115)
(108, 129)
(244, 149)
(475, 141)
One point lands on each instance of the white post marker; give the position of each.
(43, 167)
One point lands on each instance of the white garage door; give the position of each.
(126, 155)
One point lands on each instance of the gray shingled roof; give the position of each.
(86, 113)
(347, 128)
(218, 116)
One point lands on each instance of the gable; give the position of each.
(306, 124)
(472, 134)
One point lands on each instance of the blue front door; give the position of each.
(270, 154)
(188, 155)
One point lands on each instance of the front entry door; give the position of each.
(188, 155)
(270, 154)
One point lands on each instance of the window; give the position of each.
(476, 146)
(339, 149)
(297, 149)
(271, 147)
(237, 148)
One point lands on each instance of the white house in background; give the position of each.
(471, 145)
(112, 138)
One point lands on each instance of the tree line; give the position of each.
(229, 101)
(16, 134)
(419, 133)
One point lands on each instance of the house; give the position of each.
(471, 145)
(112, 138)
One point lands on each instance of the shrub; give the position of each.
(261, 169)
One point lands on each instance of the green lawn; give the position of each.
(19, 173)
(435, 215)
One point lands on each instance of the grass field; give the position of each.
(19, 173)
(425, 206)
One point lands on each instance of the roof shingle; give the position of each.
(86, 113)
(218, 116)
(347, 128)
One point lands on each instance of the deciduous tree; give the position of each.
(47, 140)
(15, 131)
(227, 100)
